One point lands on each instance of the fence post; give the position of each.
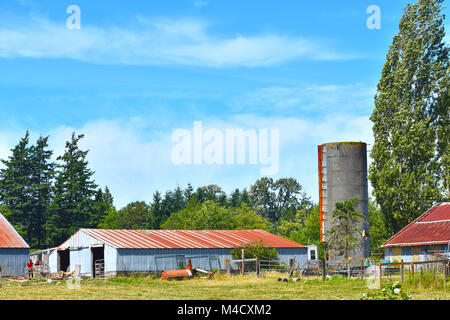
(445, 274)
(401, 270)
(379, 269)
(362, 269)
(228, 266)
(242, 263)
(324, 271)
(257, 267)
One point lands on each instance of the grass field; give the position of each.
(220, 288)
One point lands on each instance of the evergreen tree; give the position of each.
(343, 235)
(74, 193)
(410, 170)
(245, 198)
(156, 211)
(103, 205)
(178, 200)
(15, 188)
(42, 178)
(188, 192)
(235, 199)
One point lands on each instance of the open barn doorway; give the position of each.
(63, 260)
(98, 262)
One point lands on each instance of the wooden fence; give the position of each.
(445, 263)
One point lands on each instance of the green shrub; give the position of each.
(391, 291)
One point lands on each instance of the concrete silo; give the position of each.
(343, 176)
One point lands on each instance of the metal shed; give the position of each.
(111, 252)
(14, 250)
(422, 239)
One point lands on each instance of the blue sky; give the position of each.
(138, 70)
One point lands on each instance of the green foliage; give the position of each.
(274, 199)
(410, 171)
(74, 194)
(25, 188)
(15, 185)
(391, 291)
(255, 249)
(47, 202)
(343, 233)
(246, 218)
(377, 230)
(211, 215)
(427, 279)
(304, 228)
(136, 215)
(111, 220)
(103, 205)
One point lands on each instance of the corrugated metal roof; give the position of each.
(171, 239)
(432, 227)
(9, 238)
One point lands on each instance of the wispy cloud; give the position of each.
(156, 42)
(200, 3)
(320, 98)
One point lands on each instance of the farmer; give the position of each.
(30, 269)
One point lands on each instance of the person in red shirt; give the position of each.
(30, 269)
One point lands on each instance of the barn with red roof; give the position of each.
(111, 252)
(14, 250)
(425, 238)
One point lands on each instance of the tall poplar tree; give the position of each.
(410, 168)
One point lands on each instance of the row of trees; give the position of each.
(48, 201)
(45, 200)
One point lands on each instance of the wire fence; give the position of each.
(179, 261)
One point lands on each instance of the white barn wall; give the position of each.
(143, 260)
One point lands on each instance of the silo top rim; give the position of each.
(344, 142)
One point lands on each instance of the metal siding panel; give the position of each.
(406, 254)
(300, 254)
(110, 259)
(13, 261)
(53, 261)
(83, 258)
(143, 260)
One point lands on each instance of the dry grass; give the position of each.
(221, 288)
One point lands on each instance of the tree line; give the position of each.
(47, 201)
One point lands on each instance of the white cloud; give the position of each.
(155, 42)
(320, 98)
(134, 160)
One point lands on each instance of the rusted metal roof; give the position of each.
(9, 238)
(171, 239)
(431, 228)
